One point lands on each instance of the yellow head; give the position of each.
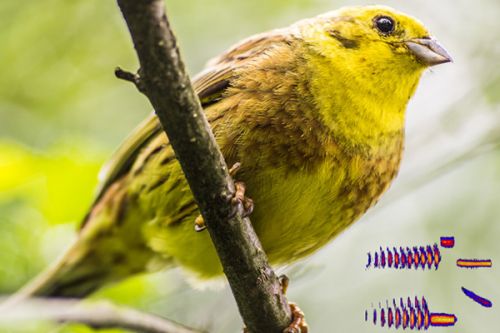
(367, 62)
(378, 34)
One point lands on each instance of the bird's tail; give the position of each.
(65, 278)
(83, 268)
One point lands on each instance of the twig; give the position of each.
(164, 81)
(97, 315)
(130, 77)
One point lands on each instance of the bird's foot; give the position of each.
(242, 204)
(234, 169)
(199, 224)
(284, 282)
(239, 201)
(298, 324)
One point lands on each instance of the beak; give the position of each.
(428, 51)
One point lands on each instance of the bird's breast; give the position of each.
(297, 212)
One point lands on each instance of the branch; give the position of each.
(163, 79)
(98, 315)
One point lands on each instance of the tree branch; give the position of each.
(163, 79)
(98, 315)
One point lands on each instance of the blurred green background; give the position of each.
(62, 113)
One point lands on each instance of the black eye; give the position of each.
(384, 24)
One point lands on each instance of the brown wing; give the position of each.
(212, 82)
(210, 86)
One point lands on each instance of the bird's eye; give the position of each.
(384, 24)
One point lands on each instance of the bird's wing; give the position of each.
(212, 82)
(209, 85)
(122, 159)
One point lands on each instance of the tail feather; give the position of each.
(82, 270)
(66, 278)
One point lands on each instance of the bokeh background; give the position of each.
(62, 113)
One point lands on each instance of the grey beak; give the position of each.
(428, 51)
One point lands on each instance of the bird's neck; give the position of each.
(364, 106)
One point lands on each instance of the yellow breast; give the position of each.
(298, 212)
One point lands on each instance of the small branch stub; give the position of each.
(130, 77)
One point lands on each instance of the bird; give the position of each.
(313, 113)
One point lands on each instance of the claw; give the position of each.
(234, 169)
(298, 324)
(284, 282)
(240, 201)
(199, 224)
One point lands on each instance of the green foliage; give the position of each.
(30, 182)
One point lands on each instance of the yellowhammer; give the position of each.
(315, 115)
